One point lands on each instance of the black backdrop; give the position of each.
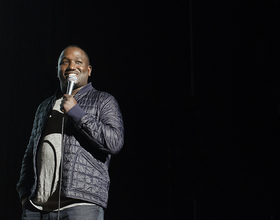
(197, 83)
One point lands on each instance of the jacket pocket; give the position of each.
(89, 177)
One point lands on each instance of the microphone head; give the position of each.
(72, 78)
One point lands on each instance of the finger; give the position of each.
(61, 107)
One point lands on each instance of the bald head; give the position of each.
(75, 46)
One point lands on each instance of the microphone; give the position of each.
(72, 79)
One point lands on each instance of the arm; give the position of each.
(26, 179)
(26, 175)
(105, 128)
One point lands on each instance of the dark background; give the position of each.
(198, 86)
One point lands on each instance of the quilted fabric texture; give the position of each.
(88, 145)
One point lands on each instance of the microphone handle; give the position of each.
(70, 87)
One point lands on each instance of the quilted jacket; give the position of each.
(92, 134)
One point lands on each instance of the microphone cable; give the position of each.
(72, 80)
(61, 164)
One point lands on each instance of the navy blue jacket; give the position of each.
(93, 133)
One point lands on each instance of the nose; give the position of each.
(72, 65)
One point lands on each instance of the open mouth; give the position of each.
(71, 74)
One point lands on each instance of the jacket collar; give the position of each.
(85, 89)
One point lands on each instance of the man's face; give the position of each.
(73, 61)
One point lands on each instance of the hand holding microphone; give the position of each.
(68, 100)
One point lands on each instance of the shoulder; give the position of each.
(101, 98)
(46, 103)
(100, 95)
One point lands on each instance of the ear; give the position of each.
(89, 70)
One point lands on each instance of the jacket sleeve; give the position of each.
(105, 129)
(26, 179)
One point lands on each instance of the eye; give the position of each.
(63, 62)
(79, 62)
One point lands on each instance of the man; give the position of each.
(64, 172)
